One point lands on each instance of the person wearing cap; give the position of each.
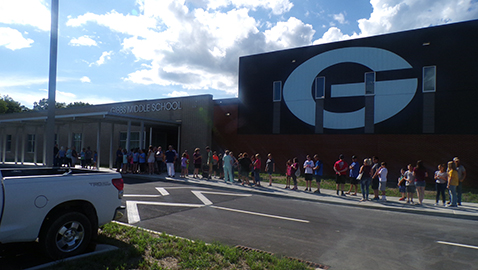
(340, 168)
(461, 177)
(353, 174)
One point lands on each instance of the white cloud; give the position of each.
(83, 41)
(12, 39)
(104, 56)
(178, 94)
(291, 33)
(197, 48)
(400, 15)
(276, 6)
(340, 18)
(85, 79)
(33, 12)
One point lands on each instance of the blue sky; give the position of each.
(113, 51)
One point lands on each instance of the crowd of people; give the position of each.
(69, 157)
(412, 180)
(370, 174)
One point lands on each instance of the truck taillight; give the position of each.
(118, 183)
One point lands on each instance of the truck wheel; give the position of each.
(66, 235)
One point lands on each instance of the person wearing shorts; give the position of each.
(354, 169)
(382, 176)
(341, 168)
(318, 172)
(375, 181)
(308, 173)
(410, 183)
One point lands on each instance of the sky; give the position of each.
(114, 51)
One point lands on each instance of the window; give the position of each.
(31, 143)
(370, 83)
(319, 83)
(133, 141)
(429, 79)
(77, 139)
(277, 91)
(8, 143)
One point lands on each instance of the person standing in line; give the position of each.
(340, 168)
(142, 161)
(288, 173)
(124, 168)
(215, 164)
(184, 165)
(453, 182)
(401, 185)
(375, 181)
(420, 175)
(171, 157)
(119, 158)
(209, 161)
(83, 158)
(461, 177)
(366, 178)
(74, 156)
(197, 161)
(245, 165)
(270, 167)
(56, 163)
(95, 160)
(441, 179)
(382, 177)
(228, 163)
(354, 169)
(293, 171)
(151, 159)
(257, 170)
(220, 166)
(318, 172)
(159, 157)
(308, 173)
(410, 183)
(88, 157)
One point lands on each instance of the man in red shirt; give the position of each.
(340, 168)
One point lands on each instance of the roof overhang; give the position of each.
(103, 117)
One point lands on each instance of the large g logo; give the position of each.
(390, 96)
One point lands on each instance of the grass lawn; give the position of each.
(139, 249)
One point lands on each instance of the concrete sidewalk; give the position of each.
(466, 211)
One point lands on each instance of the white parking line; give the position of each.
(140, 195)
(133, 213)
(201, 197)
(456, 244)
(261, 214)
(162, 191)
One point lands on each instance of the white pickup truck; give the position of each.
(59, 207)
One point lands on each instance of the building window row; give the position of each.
(428, 78)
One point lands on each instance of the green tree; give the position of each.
(12, 105)
(3, 106)
(42, 105)
(78, 104)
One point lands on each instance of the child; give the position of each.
(410, 184)
(288, 174)
(401, 185)
(184, 165)
(293, 171)
(308, 170)
(95, 159)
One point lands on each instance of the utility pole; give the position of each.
(50, 121)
